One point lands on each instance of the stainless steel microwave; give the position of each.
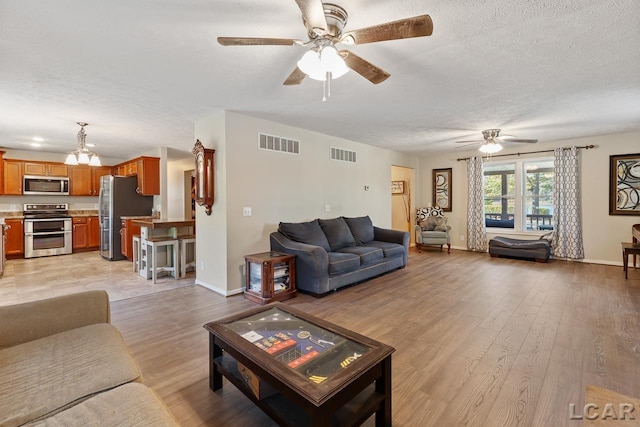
(58, 185)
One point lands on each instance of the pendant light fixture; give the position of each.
(82, 156)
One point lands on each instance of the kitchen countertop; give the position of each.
(12, 215)
(79, 213)
(136, 217)
(164, 222)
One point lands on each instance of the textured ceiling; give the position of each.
(141, 72)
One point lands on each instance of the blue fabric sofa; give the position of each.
(332, 253)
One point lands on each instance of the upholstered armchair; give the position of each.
(432, 229)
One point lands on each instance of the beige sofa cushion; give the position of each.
(42, 377)
(128, 405)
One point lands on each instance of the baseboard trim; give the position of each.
(223, 292)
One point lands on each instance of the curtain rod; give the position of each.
(586, 147)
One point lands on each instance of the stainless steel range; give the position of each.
(47, 230)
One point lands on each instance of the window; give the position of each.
(518, 194)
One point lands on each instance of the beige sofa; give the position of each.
(63, 364)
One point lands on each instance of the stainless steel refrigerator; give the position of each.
(118, 197)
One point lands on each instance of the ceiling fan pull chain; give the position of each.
(324, 90)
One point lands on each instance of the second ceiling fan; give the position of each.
(325, 23)
(492, 139)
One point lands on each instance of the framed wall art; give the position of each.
(624, 184)
(397, 187)
(442, 188)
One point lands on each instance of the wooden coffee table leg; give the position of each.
(215, 377)
(383, 386)
(625, 262)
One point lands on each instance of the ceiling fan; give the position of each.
(325, 23)
(492, 141)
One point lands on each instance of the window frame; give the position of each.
(520, 196)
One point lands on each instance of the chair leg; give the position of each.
(448, 248)
(419, 246)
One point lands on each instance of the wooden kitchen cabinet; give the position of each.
(93, 226)
(86, 233)
(14, 246)
(85, 180)
(12, 175)
(147, 169)
(45, 169)
(80, 233)
(80, 180)
(128, 230)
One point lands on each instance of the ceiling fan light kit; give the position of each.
(324, 23)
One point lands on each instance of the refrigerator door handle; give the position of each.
(100, 207)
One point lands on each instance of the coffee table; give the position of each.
(300, 369)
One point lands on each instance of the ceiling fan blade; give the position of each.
(527, 141)
(366, 69)
(295, 78)
(256, 41)
(470, 141)
(417, 26)
(313, 16)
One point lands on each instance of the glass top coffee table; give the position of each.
(301, 370)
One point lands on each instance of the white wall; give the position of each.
(284, 187)
(602, 232)
(175, 185)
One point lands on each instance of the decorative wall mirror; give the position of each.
(204, 176)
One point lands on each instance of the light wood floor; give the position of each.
(479, 341)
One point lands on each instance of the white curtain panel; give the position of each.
(567, 218)
(476, 230)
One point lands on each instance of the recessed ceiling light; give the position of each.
(38, 139)
(90, 145)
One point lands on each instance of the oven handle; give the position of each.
(47, 233)
(46, 219)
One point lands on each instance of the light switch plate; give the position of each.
(246, 211)
(327, 208)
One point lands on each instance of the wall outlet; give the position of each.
(13, 207)
(462, 237)
(246, 211)
(327, 208)
(366, 188)
(201, 265)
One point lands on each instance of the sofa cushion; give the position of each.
(337, 232)
(340, 262)
(128, 405)
(42, 377)
(388, 249)
(305, 232)
(367, 254)
(361, 229)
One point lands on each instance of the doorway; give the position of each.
(402, 200)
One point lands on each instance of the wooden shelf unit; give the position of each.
(270, 276)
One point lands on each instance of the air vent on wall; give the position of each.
(343, 155)
(277, 143)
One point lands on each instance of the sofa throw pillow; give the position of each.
(305, 232)
(337, 232)
(441, 224)
(428, 224)
(361, 229)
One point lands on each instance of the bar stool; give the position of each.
(187, 242)
(170, 244)
(136, 253)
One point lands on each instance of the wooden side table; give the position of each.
(270, 276)
(629, 249)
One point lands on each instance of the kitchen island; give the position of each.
(152, 232)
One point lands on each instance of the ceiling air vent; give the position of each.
(343, 155)
(277, 143)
